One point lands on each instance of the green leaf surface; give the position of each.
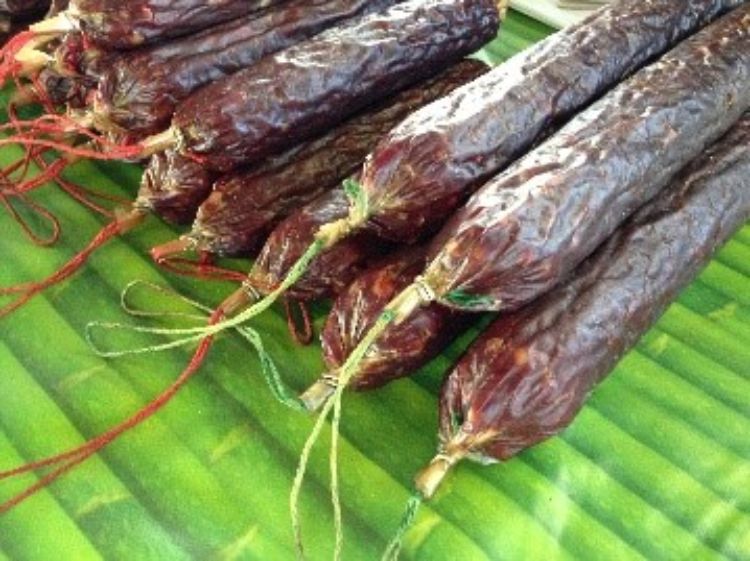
(656, 467)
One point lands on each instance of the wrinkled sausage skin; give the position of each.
(532, 370)
(304, 90)
(525, 230)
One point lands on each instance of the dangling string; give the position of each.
(21, 167)
(48, 173)
(132, 310)
(51, 172)
(27, 291)
(301, 334)
(407, 521)
(299, 479)
(41, 212)
(280, 390)
(338, 522)
(195, 333)
(42, 483)
(10, 192)
(165, 256)
(197, 269)
(327, 235)
(82, 453)
(30, 133)
(400, 307)
(86, 197)
(83, 195)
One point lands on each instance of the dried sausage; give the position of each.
(244, 206)
(527, 229)
(140, 91)
(299, 93)
(531, 371)
(421, 172)
(173, 187)
(333, 271)
(21, 9)
(115, 24)
(404, 347)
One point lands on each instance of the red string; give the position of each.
(22, 166)
(37, 209)
(18, 193)
(81, 453)
(304, 336)
(186, 267)
(165, 256)
(19, 168)
(27, 291)
(31, 133)
(84, 195)
(79, 193)
(48, 173)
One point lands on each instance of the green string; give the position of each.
(198, 333)
(360, 202)
(347, 371)
(299, 478)
(283, 393)
(407, 521)
(469, 302)
(164, 291)
(324, 239)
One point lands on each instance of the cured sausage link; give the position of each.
(19, 9)
(300, 92)
(404, 347)
(118, 24)
(141, 90)
(336, 267)
(527, 229)
(245, 205)
(529, 374)
(428, 165)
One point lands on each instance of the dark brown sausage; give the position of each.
(531, 371)
(173, 187)
(333, 271)
(21, 9)
(301, 92)
(427, 166)
(245, 206)
(140, 91)
(527, 229)
(404, 347)
(118, 24)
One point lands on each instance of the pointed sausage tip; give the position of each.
(428, 481)
(167, 250)
(237, 301)
(317, 395)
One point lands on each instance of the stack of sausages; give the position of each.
(350, 147)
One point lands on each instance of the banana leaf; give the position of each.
(657, 466)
